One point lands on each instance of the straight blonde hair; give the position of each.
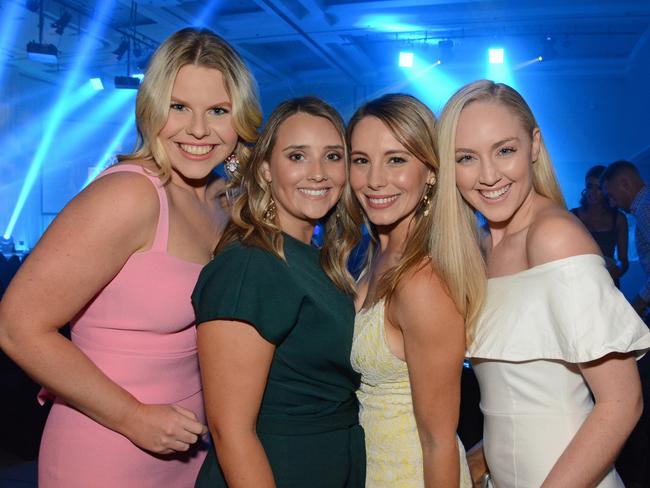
(249, 225)
(445, 237)
(198, 47)
(472, 267)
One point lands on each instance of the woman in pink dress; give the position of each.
(121, 261)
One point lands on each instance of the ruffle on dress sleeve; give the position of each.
(566, 310)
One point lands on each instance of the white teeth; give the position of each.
(314, 193)
(196, 150)
(493, 195)
(382, 201)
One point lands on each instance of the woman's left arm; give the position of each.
(434, 347)
(613, 379)
(614, 382)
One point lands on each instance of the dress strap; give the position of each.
(162, 228)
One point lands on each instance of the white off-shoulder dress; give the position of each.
(536, 326)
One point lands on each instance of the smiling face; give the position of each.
(388, 181)
(494, 158)
(199, 132)
(306, 171)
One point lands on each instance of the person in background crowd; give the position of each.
(120, 261)
(623, 186)
(606, 225)
(625, 189)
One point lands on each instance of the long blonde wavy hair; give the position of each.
(248, 224)
(544, 180)
(445, 236)
(198, 47)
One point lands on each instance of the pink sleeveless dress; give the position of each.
(139, 330)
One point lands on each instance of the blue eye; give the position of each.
(177, 106)
(507, 150)
(463, 158)
(219, 110)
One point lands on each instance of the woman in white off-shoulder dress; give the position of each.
(553, 326)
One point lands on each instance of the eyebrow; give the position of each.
(218, 104)
(390, 152)
(494, 146)
(305, 146)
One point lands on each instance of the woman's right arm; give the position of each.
(235, 362)
(83, 249)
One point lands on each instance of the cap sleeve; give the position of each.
(248, 284)
(567, 309)
(601, 319)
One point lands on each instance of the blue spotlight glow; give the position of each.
(95, 30)
(386, 23)
(430, 83)
(405, 59)
(15, 142)
(8, 28)
(97, 84)
(139, 76)
(109, 154)
(206, 14)
(496, 55)
(118, 101)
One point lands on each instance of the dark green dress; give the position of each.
(308, 420)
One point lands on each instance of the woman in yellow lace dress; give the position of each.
(409, 338)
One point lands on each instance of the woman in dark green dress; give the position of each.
(276, 316)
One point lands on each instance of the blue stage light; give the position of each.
(386, 23)
(9, 25)
(498, 68)
(496, 55)
(97, 84)
(117, 102)
(430, 83)
(68, 94)
(109, 153)
(405, 59)
(206, 14)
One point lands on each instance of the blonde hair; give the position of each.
(472, 267)
(445, 236)
(199, 48)
(249, 225)
(544, 180)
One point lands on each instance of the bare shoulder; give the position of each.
(557, 234)
(422, 299)
(119, 210)
(122, 192)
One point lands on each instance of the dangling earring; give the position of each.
(428, 192)
(426, 200)
(271, 211)
(232, 164)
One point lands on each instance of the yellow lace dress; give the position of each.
(393, 450)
